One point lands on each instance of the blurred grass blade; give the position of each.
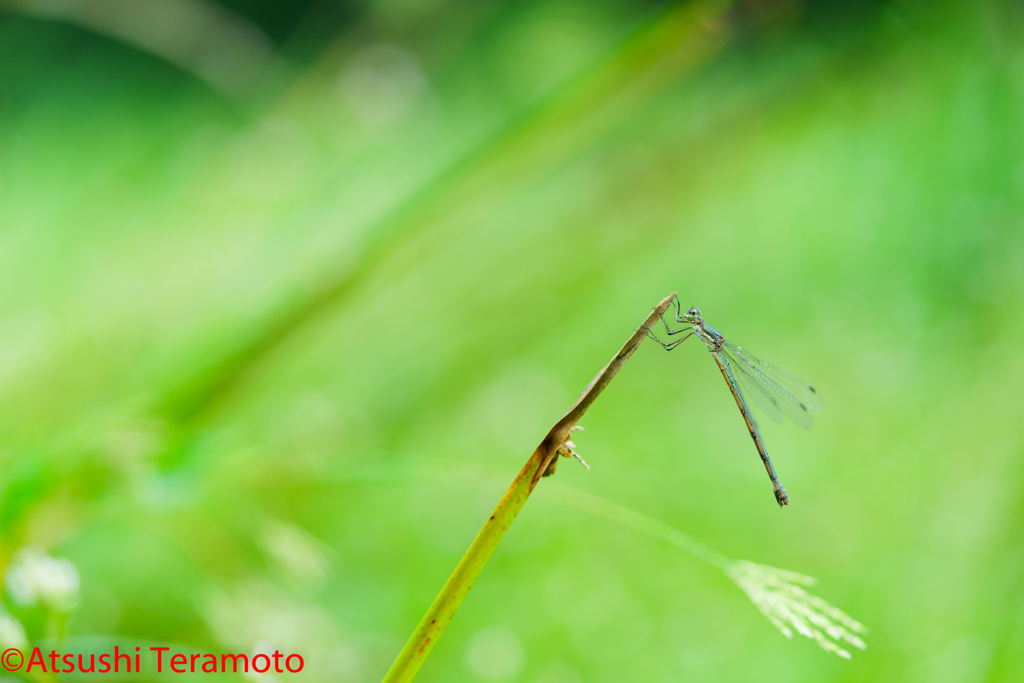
(221, 47)
(649, 57)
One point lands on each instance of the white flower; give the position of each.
(777, 593)
(12, 633)
(35, 579)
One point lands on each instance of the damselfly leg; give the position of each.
(669, 345)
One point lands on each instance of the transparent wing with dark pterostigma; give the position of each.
(774, 390)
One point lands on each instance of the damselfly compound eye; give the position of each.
(693, 313)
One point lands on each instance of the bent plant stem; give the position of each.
(447, 602)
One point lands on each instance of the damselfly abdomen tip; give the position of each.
(781, 496)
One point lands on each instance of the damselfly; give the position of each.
(775, 391)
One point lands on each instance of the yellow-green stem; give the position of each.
(430, 628)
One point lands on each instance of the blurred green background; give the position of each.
(273, 273)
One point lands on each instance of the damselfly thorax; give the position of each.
(711, 337)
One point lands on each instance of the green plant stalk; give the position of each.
(447, 602)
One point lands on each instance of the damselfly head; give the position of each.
(692, 315)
